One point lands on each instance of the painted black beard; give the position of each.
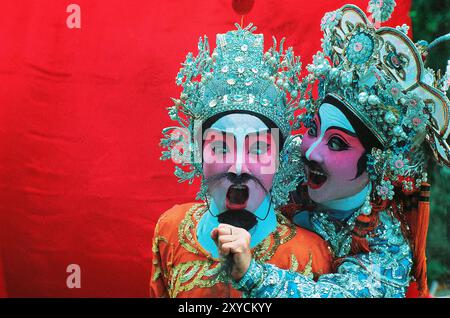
(238, 218)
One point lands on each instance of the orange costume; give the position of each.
(181, 267)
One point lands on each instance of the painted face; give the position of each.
(332, 152)
(239, 153)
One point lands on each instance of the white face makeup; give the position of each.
(330, 116)
(239, 144)
(333, 151)
(240, 126)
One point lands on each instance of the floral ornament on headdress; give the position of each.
(238, 76)
(378, 74)
(381, 9)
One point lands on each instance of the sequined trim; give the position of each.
(155, 249)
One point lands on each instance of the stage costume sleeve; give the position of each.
(161, 259)
(383, 272)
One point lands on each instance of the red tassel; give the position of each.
(359, 245)
(419, 238)
(363, 219)
(363, 225)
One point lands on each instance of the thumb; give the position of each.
(215, 236)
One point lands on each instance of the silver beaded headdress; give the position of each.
(238, 76)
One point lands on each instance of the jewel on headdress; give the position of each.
(212, 103)
(366, 209)
(238, 98)
(389, 117)
(363, 97)
(373, 100)
(360, 48)
(385, 190)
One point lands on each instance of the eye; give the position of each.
(220, 147)
(259, 148)
(312, 131)
(337, 144)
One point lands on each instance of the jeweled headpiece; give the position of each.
(237, 77)
(379, 75)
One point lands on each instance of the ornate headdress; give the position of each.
(379, 75)
(240, 77)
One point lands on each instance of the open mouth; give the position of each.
(237, 197)
(316, 176)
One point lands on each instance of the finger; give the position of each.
(215, 234)
(225, 229)
(224, 250)
(235, 228)
(235, 247)
(226, 239)
(230, 229)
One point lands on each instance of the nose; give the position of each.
(239, 167)
(313, 153)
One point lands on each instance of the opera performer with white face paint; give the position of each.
(234, 131)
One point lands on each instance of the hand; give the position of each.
(234, 240)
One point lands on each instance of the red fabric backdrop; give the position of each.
(81, 113)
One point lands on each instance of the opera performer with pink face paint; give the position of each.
(234, 132)
(379, 116)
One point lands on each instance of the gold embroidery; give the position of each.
(156, 240)
(157, 272)
(307, 271)
(185, 230)
(262, 247)
(155, 250)
(294, 263)
(286, 227)
(198, 273)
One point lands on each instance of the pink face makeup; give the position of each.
(230, 148)
(333, 151)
